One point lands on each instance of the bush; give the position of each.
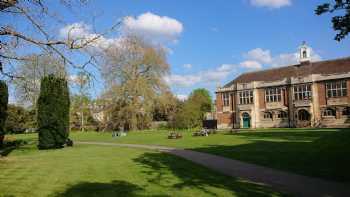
(53, 112)
(191, 112)
(19, 119)
(3, 109)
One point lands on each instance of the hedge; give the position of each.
(53, 112)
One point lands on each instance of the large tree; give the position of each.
(134, 71)
(38, 31)
(193, 110)
(30, 73)
(341, 22)
(81, 103)
(165, 106)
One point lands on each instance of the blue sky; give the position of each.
(211, 42)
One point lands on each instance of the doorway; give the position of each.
(246, 120)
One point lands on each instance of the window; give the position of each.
(226, 99)
(303, 115)
(267, 115)
(282, 115)
(328, 112)
(346, 111)
(246, 97)
(302, 92)
(273, 95)
(304, 54)
(336, 89)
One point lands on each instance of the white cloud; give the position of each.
(260, 55)
(264, 57)
(188, 66)
(271, 3)
(153, 27)
(251, 64)
(182, 97)
(182, 80)
(208, 76)
(226, 68)
(81, 33)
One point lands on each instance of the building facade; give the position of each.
(309, 94)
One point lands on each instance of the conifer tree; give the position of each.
(3, 109)
(53, 112)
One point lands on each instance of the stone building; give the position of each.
(309, 94)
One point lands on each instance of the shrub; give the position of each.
(3, 109)
(19, 119)
(53, 112)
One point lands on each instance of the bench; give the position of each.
(174, 135)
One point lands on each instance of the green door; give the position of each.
(246, 121)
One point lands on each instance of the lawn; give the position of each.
(87, 170)
(321, 153)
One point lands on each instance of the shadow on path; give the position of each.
(158, 165)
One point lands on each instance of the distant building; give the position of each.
(309, 94)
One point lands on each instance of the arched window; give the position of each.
(303, 115)
(267, 115)
(304, 54)
(346, 111)
(328, 112)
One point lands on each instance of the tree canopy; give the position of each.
(341, 22)
(134, 71)
(192, 111)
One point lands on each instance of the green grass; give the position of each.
(86, 170)
(321, 153)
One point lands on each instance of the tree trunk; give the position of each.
(2, 137)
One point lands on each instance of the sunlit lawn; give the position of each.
(321, 153)
(314, 152)
(87, 170)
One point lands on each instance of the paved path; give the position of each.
(297, 185)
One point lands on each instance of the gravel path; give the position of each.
(297, 185)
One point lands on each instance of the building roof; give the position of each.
(337, 66)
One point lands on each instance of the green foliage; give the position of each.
(53, 112)
(19, 119)
(80, 110)
(192, 111)
(202, 98)
(165, 105)
(3, 108)
(341, 23)
(134, 74)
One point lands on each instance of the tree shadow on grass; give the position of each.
(115, 188)
(158, 166)
(298, 135)
(322, 154)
